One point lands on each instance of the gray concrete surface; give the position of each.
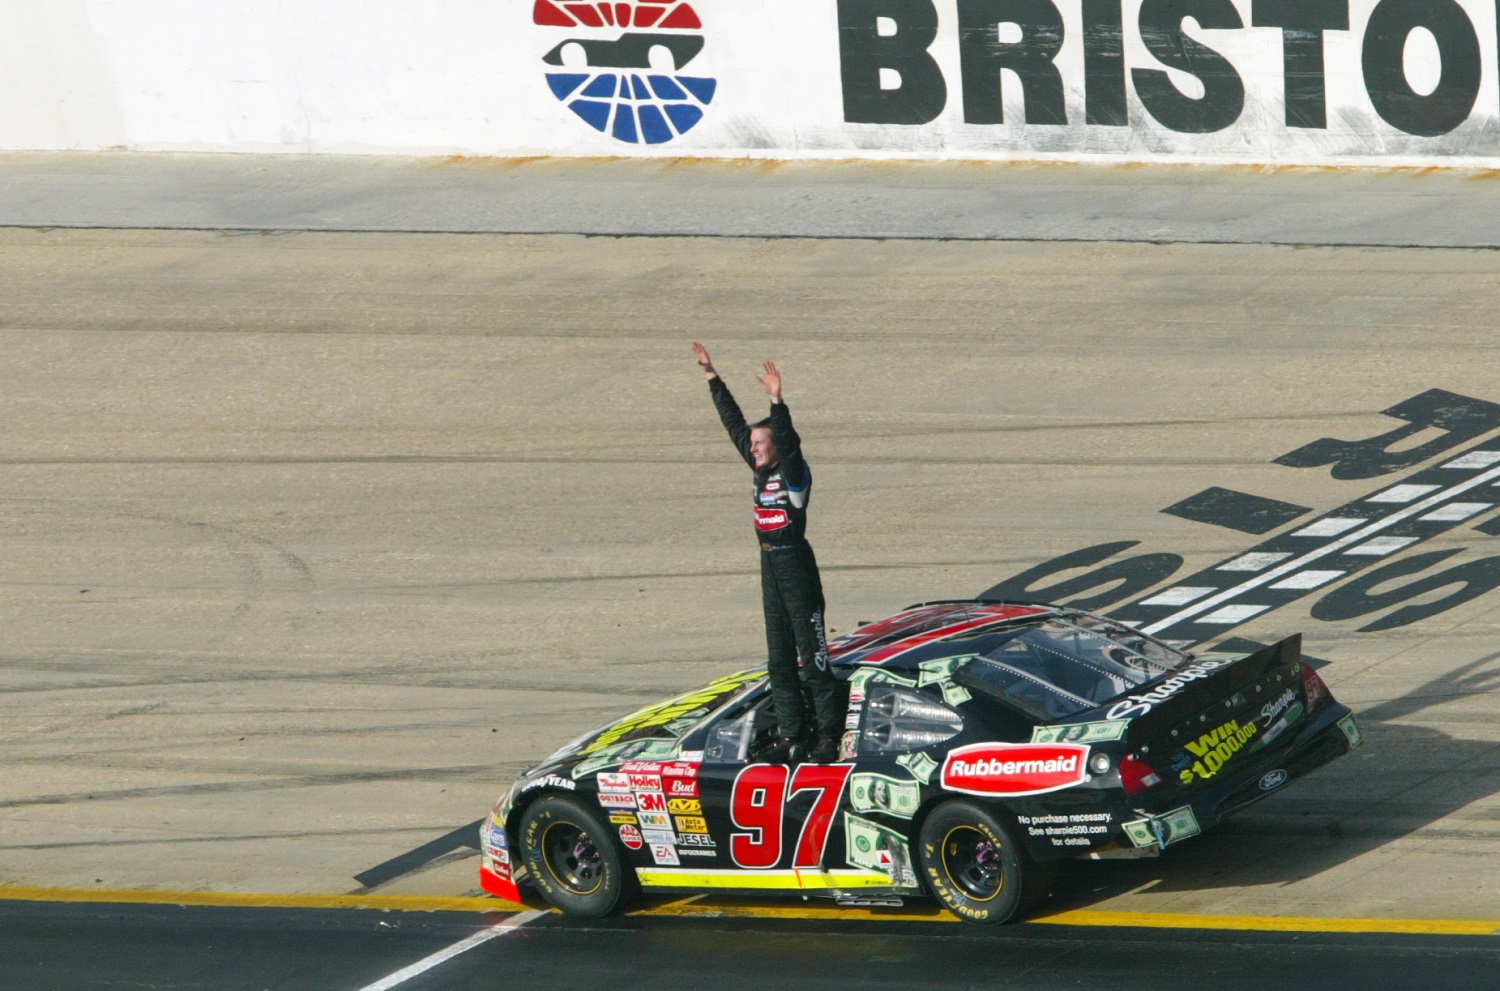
(309, 541)
(963, 200)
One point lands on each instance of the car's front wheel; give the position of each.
(974, 865)
(572, 860)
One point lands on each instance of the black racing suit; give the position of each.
(790, 586)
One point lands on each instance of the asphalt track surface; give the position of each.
(241, 949)
(272, 627)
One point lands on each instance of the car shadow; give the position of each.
(1404, 778)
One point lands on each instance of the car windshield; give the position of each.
(1066, 666)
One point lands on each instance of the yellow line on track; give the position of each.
(225, 899)
(699, 907)
(1276, 923)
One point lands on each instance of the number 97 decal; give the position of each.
(758, 807)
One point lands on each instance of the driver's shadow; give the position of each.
(1402, 780)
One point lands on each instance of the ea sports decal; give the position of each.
(1015, 769)
(622, 67)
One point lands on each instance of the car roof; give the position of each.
(924, 631)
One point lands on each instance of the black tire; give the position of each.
(973, 865)
(573, 860)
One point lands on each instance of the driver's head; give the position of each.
(762, 445)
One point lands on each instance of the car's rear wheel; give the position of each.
(974, 865)
(572, 860)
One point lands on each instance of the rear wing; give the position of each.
(1156, 708)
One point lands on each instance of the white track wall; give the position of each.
(1389, 82)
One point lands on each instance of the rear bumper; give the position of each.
(1329, 735)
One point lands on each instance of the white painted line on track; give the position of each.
(462, 946)
(1296, 563)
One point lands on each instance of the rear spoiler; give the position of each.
(1212, 685)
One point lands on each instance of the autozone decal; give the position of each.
(1015, 769)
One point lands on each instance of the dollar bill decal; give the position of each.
(1163, 830)
(863, 678)
(920, 765)
(1113, 729)
(876, 848)
(941, 670)
(878, 793)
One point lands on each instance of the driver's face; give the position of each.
(762, 447)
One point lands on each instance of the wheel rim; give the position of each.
(572, 858)
(971, 859)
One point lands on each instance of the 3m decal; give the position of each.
(651, 801)
(1014, 769)
(757, 808)
(1321, 555)
(622, 66)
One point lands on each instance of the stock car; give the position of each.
(984, 742)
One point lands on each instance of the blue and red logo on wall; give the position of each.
(625, 77)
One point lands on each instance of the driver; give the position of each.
(791, 588)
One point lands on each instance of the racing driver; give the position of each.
(791, 588)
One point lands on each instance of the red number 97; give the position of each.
(756, 807)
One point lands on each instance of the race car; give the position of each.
(984, 742)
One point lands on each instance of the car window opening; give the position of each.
(1058, 669)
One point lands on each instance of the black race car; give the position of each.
(984, 740)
